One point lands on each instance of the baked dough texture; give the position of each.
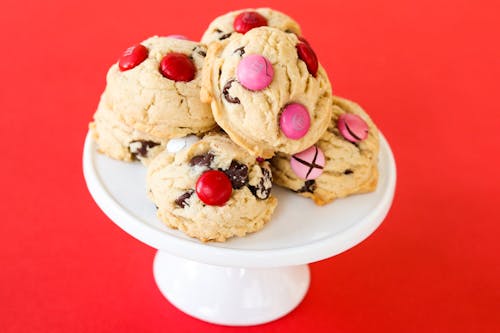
(252, 118)
(120, 141)
(142, 104)
(171, 180)
(222, 29)
(349, 168)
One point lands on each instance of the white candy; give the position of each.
(177, 144)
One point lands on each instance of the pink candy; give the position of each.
(255, 72)
(178, 37)
(352, 127)
(295, 121)
(309, 163)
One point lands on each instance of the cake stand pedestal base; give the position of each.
(230, 295)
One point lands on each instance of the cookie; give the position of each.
(343, 161)
(212, 190)
(155, 88)
(242, 21)
(268, 91)
(119, 140)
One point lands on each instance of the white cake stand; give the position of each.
(245, 281)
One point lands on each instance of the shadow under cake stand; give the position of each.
(245, 281)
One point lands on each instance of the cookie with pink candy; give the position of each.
(343, 161)
(268, 91)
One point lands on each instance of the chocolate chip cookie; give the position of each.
(343, 161)
(212, 190)
(268, 91)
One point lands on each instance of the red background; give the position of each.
(426, 71)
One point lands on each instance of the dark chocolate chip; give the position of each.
(225, 36)
(227, 96)
(181, 201)
(202, 160)
(199, 51)
(309, 186)
(238, 174)
(141, 148)
(263, 189)
(240, 50)
(348, 172)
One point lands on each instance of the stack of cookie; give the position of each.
(219, 121)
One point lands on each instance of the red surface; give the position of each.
(428, 73)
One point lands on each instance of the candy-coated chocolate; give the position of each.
(302, 39)
(214, 188)
(177, 67)
(309, 163)
(307, 55)
(178, 37)
(177, 144)
(132, 57)
(247, 21)
(295, 121)
(255, 72)
(352, 127)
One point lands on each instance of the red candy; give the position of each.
(132, 57)
(177, 67)
(302, 39)
(214, 188)
(246, 21)
(307, 55)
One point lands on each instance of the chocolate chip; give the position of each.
(202, 160)
(225, 92)
(181, 201)
(348, 172)
(141, 148)
(263, 189)
(238, 174)
(240, 50)
(225, 36)
(200, 52)
(309, 186)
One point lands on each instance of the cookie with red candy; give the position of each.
(222, 28)
(212, 190)
(152, 95)
(342, 162)
(267, 91)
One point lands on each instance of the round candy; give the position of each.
(255, 72)
(247, 21)
(132, 57)
(295, 121)
(177, 67)
(177, 144)
(352, 127)
(214, 188)
(309, 163)
(307, 55)
(178, 37)
(302, 39)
